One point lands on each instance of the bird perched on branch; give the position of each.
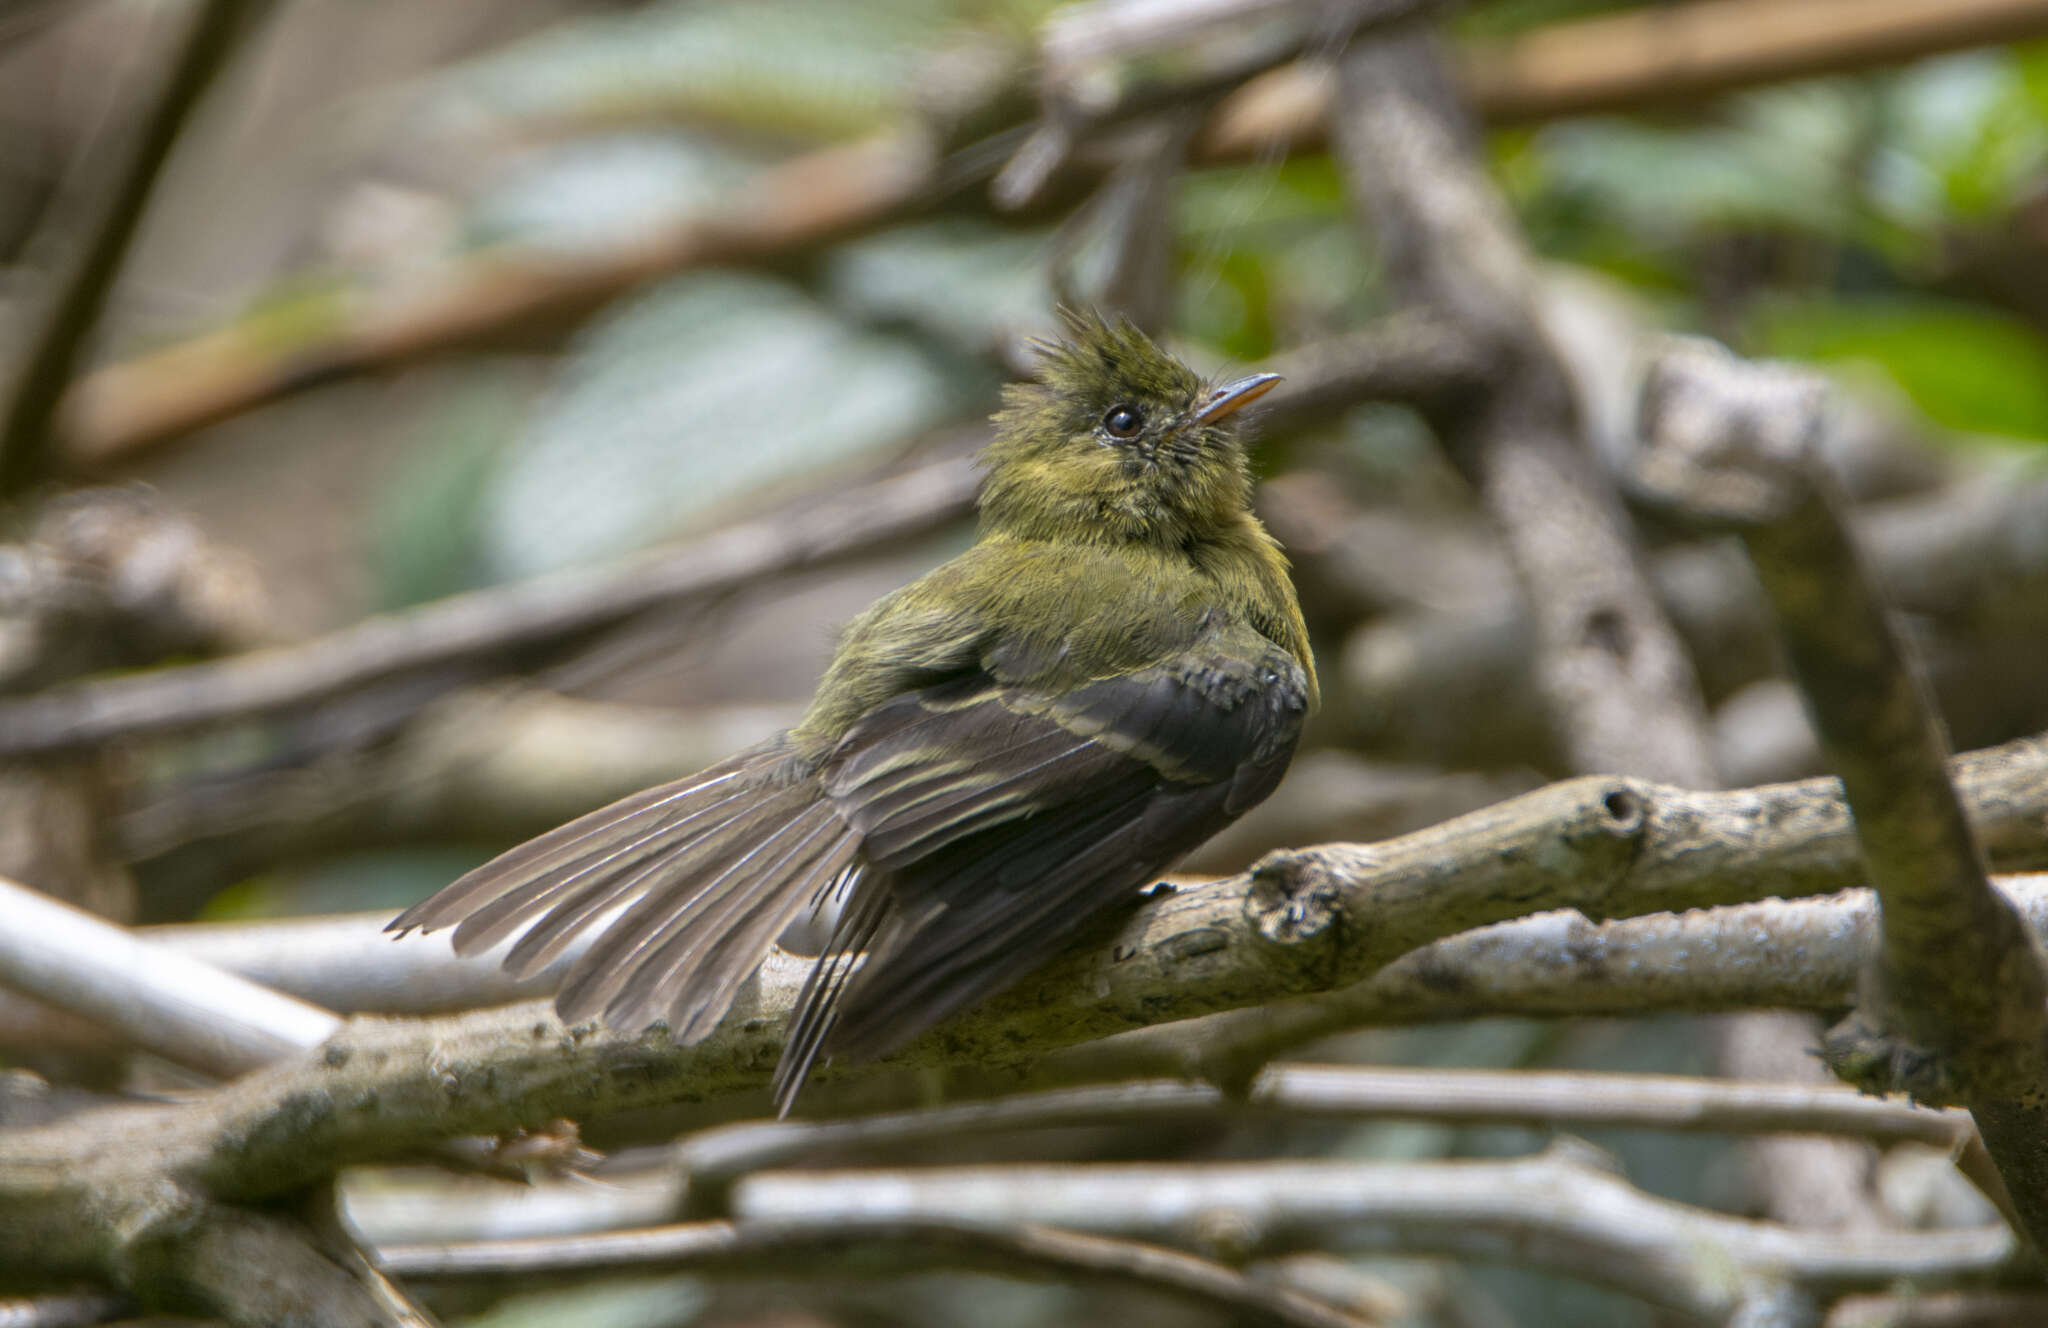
(1000, 753)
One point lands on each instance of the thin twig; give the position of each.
(713, 1160)
(71, 307)
(1552, 1212)
(794, 1247)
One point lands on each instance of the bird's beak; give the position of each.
(1234, 396)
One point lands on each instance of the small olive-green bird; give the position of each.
(1000, 753)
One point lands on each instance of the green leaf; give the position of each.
(1968, 368)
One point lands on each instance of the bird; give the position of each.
(1000, 753)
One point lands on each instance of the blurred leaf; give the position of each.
(808, 68)
(1266, 251)
(1968, 368)
(693, 394)
(1965, 136)
(961, 279)
(1782, 157)
(595, 194)
(427, 523)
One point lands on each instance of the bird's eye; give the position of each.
(1123, 422)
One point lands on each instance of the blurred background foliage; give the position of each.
(1892, 225)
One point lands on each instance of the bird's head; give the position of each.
(1117, 442)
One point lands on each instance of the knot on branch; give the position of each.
(1293, 898)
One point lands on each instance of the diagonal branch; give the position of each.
(469, 630)
(1958, 976)
(72, 305)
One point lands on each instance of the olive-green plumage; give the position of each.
(1000, 752)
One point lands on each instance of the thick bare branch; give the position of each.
(1668, 848)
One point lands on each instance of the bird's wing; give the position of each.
(999, 822)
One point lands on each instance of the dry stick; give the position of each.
(1958, 999)
(1551, 1211)
(178, 1006)
(485, 624)
(839, 190)
(1647, 57)
(713, 1160)
(793, 1247)
(71, 307)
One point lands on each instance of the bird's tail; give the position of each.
(691, 882)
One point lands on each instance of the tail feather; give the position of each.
(487, 904)
(599, 886)
(818, 1004)
(677, 887)
(689, 971)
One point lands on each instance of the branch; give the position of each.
(1301, 923)
(712, 1161)
(1644, 58)
(485, 625)
(1619, 688)
(1958, 975)
(1550, 1212)
(72, 305)
(1676, 849)
(1966, 559)
(793, 1246)
(179, 1007)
